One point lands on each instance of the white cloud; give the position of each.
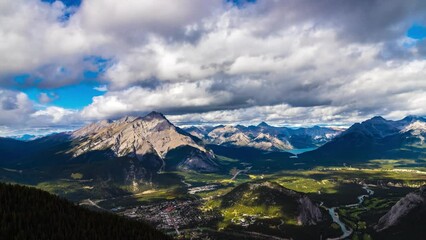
(207, 61)
(187, 95)
(54, 114)
(17, 111)
(135, 19)
(101, 88)
(45, 98)
(32, 38)
(14, 106)
(278, 115)
(309, 69)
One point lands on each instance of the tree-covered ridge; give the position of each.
(28, 213)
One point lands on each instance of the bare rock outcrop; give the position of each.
(407, 209)
(147, 139)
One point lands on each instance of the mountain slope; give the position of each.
(42, 151)
(406, 219)
(264, 136)
(8, 149)
(152, 134)
(374, 138)
(289, 214)
(242, 136)
(28, 213)
(127, 153)
(147, 139)
(294, 206)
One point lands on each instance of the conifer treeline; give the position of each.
(28, 213)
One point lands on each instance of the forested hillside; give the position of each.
(27, 213)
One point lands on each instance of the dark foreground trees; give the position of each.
(29, 213)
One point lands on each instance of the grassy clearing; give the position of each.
(397, 163)
(76, 176)
(239, 213)
(60, 187)
(307, 185)
(216, 193)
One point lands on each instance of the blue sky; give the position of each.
(73, 97)
(417, 32)
(75, 3)
(286, 62)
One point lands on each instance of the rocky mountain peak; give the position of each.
(413, 118)
(263, 124)
(377, 119)
(135, 136)
(155, 115)
(377, 127)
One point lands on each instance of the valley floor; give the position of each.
(357, 196)
(191, 205)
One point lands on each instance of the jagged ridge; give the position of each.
(264, 136)
(138, 136)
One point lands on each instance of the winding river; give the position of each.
(347, 231)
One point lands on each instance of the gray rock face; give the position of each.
(309, 214)
(409, 206)
(132, 136)
(199, 161)
(264, 136)
(230, 135)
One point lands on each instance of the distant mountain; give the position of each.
(25, 137)
(29, 213)
(39, 152)
(264, 136)
(406, 219)
(147, 139)
(247, 137)
(129, 151)
(375, 138)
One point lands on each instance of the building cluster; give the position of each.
(172, 215)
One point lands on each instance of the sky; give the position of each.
(67, 63)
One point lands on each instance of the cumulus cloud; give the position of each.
(134, 20)
(53, 114)
(35, 41)
(18, 112)
(14, 106)
(209, 61)
(168, 98)
(47, 97)
(279, 115)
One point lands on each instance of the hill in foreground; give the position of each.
(28, 213)
(406, 219)
(251, 206)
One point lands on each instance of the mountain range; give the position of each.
(134, 156)
(134, 148)
(375, 138)
(128, 151)
(264, 136)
